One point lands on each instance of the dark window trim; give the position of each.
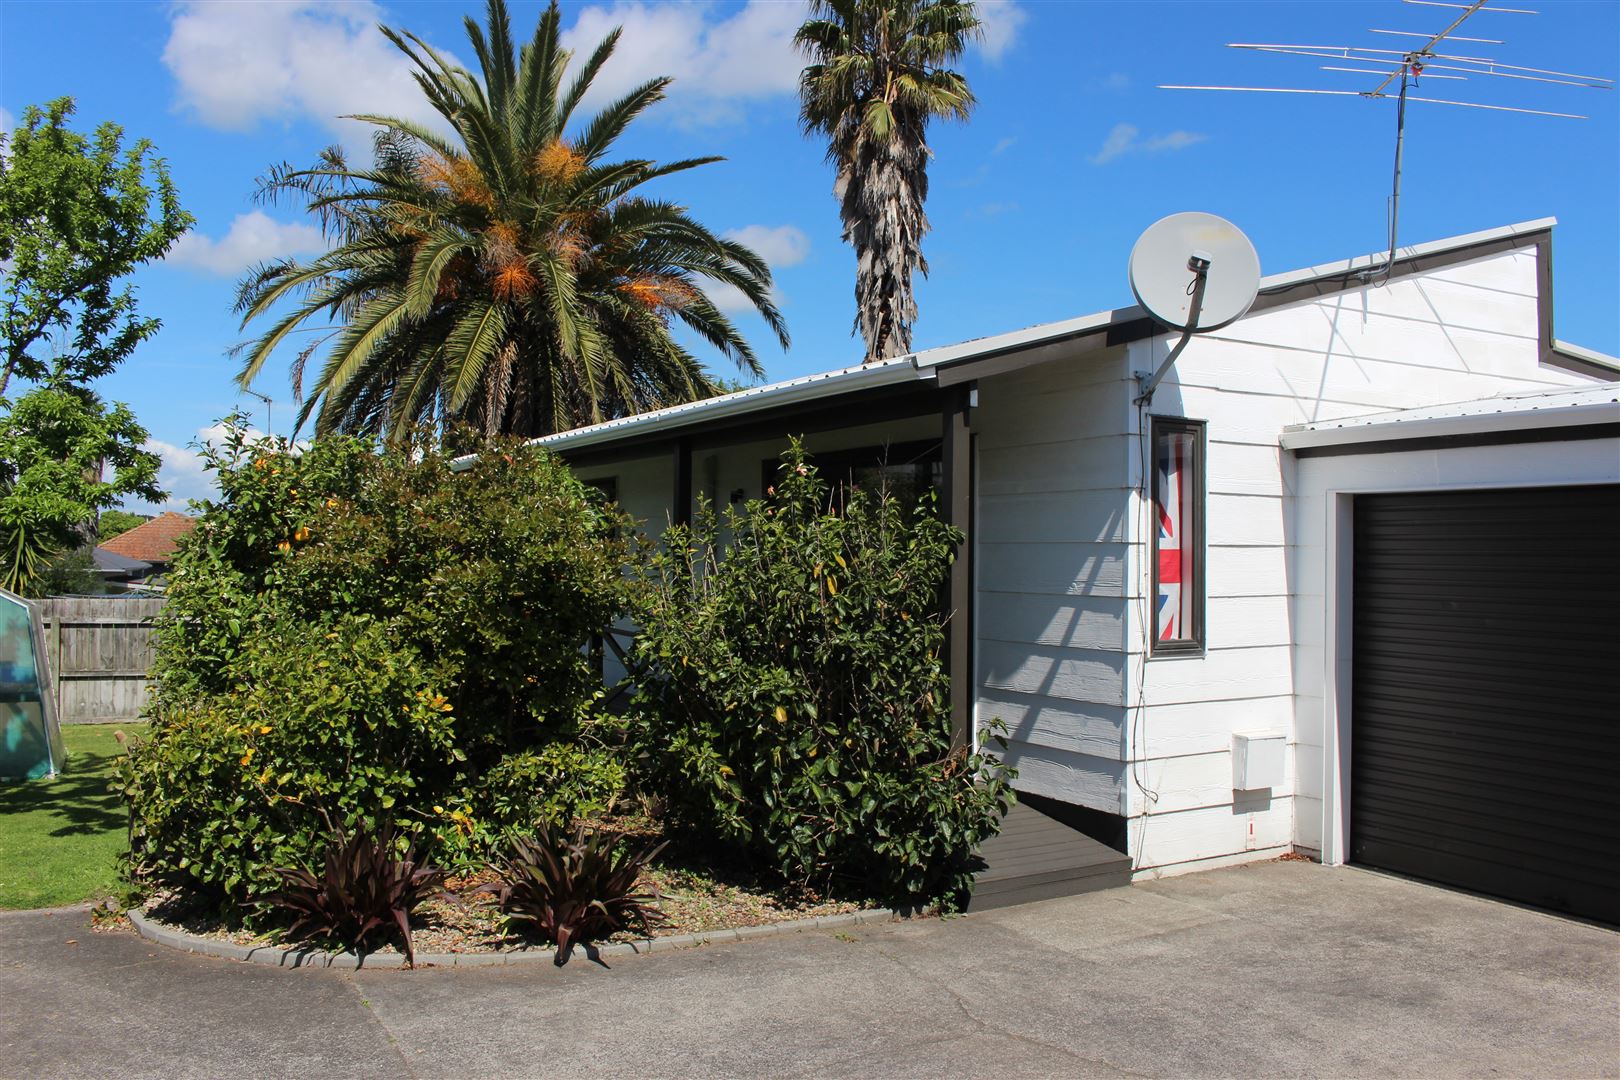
(1196, 534)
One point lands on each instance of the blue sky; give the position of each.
(1034, 203)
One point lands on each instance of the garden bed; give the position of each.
(700, 897)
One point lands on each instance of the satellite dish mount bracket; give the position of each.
(1198, 263)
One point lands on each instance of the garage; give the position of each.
(1484, 735)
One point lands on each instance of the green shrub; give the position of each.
(354, 633)
(328, 726)
(794, 701)
(552, 786)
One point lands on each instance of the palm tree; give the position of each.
(509, 276)
(876, 77)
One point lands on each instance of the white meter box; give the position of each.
(1257, 760)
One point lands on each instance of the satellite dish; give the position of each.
(1175, 253)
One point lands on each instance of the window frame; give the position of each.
(1195, 643)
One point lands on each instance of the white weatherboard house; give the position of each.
(1344, 587)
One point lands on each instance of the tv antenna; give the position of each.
(1409, 66)
(269, 427)
(1194, 273)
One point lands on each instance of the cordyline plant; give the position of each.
(368, 889)
(575, 889)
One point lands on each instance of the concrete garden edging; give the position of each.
(294, 956)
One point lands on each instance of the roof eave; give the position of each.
(1439, 427)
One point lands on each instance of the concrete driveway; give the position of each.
(1276, 969)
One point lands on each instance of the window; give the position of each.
(1178, 536)
(606, 488)
(907, 470)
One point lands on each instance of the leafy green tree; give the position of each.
(71, 573)
(512, 276)
(77, 215)
(877, 74)
(65, 456)
(116, 522)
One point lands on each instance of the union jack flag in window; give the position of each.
(1175, 484)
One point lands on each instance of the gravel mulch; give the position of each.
(697, 895)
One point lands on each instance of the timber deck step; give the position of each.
(1036, 857)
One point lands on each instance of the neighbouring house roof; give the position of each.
(152, 541)
(955, 364)
(1584, 407)
(112, 564)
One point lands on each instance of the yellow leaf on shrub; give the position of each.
(781, 715)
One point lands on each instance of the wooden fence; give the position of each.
(100, 651)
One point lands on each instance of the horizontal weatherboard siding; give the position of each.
(1050, 567)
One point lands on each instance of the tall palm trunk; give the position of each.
(880, 188)
(876, 76)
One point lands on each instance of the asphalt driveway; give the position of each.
(1276, 969)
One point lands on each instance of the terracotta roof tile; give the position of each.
(154, 540)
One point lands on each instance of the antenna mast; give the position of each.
(1411, 66)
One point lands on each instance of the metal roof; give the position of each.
(1579, 406)
(928, 363)
(901, 369)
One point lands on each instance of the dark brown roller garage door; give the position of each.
(1485, 726)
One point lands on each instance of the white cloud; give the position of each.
(722, 61)
(237, 64)
(253, 237)
(1127, 139)
(182, 474)
(717, 65)
(779, 245)
(727, 297)
(7, 122)
(1000, 21)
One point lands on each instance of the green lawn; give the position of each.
(60, 839)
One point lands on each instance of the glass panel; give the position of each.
(906, 483)
(1175, 483)
(30, 744)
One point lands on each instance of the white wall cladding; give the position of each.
(1463, 332)
(1060, 554)
(1050, 562)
